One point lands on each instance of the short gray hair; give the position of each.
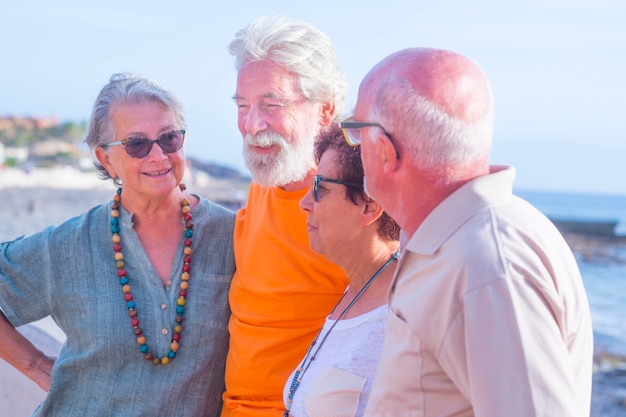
(125, 88)
(299, 48)
(433, 138)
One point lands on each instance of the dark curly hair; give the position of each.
(350, 168)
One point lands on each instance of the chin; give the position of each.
(315, 248)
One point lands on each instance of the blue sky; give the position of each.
(557, 68)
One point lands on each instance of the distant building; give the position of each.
(19, 154)
(10, 124)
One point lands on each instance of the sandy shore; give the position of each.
(59, 177)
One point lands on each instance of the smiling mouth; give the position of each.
(157, 173)
(264, 148)
(261, 145)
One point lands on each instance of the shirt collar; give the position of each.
(476, 195)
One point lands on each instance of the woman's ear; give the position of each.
(103, 157)
(371, 212)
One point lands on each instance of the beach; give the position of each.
(32, 201)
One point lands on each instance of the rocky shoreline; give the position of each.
(598, 249)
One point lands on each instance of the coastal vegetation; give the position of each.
(32, 141)
(17, 132)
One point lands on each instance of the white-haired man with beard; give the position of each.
(289, 86)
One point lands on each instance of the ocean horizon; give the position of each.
(604, 275)
(579, 206)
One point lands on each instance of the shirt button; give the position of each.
(169, 283)
(164, 331)
(163, 306)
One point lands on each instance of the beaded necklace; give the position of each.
(309, 358)
(126, 289)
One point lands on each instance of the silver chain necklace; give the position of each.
(308, 359)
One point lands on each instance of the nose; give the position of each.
(156, 152)
(306, 203)
(253, 121)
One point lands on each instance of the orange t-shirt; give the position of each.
(279, 297)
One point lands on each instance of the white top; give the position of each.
(488, 315)
(338, 381)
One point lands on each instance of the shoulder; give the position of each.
(212, 208)
(209, 215)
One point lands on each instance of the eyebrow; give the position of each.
(143, 135)
(266, 95)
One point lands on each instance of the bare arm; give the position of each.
(20, 353)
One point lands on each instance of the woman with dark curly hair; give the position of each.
(352, 230)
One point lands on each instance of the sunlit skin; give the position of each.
(150, 184)
(459, 88)
(268, 98)
(347, 234)
(334, 221)
(156, 176)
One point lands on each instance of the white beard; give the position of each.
(291, 164)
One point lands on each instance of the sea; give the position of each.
(604, 277)
(602, 263)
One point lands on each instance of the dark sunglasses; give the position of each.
(316, 185)
(139, 147)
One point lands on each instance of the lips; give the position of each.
(264, 149)
(157, 173)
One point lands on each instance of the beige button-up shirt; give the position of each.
(488, 314)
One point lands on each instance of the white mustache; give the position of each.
(265, 139)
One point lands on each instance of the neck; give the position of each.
(360, 262)
(371, 293)
(158, 212)
(299, 185)
(359, 284)
(428, 189)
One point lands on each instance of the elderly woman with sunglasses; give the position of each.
(139, 285)
(353, 231)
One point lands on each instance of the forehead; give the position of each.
(259, 79)
(328, 165)
(142, 116)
